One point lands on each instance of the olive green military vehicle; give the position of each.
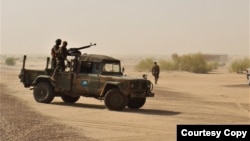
(88, 75)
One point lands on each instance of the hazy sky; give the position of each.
(126, 26)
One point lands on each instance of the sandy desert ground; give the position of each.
(219, 97)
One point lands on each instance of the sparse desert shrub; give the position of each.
(10, 61)
(195, 63)
(239, 65)
(212, 66)
(145, 65)
(168, 65)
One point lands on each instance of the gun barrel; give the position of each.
(74, 51)
(87, 46)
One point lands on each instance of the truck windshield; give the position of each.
(111, 67)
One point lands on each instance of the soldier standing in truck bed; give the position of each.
(60, 58)
(54, 52)
(156, 71)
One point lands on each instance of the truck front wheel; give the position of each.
(136, 103)
(43, 93)
(70, 99)
(115, 100)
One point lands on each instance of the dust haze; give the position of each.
(161, 27)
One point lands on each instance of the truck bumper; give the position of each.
(143, 94)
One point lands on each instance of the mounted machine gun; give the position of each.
(76, 51)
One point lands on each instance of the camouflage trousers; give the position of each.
(60, 67)
(53, 63)
(156, 76)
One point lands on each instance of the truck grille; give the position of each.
(140, 85)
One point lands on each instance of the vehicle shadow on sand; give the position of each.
(80, 105)
(152, 112)
(237, 86)
(135, 111)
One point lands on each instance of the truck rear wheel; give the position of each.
(136, 103)
(43, 93)
(115, 100)
(70, 99)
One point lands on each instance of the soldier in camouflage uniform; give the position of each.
(60, 58)
(54, 52)
(156, 71)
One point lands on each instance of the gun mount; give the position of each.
(76, 51)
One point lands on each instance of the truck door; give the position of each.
(64, 81)
(94, 79)
(88, 79)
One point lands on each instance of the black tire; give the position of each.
(70, 99)
(115, 100)
(136, 103)
(43, 93)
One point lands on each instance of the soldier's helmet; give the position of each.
(58, 41)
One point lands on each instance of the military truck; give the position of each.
(88, 75)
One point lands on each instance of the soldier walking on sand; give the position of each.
(156, 71)
(54, 52)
